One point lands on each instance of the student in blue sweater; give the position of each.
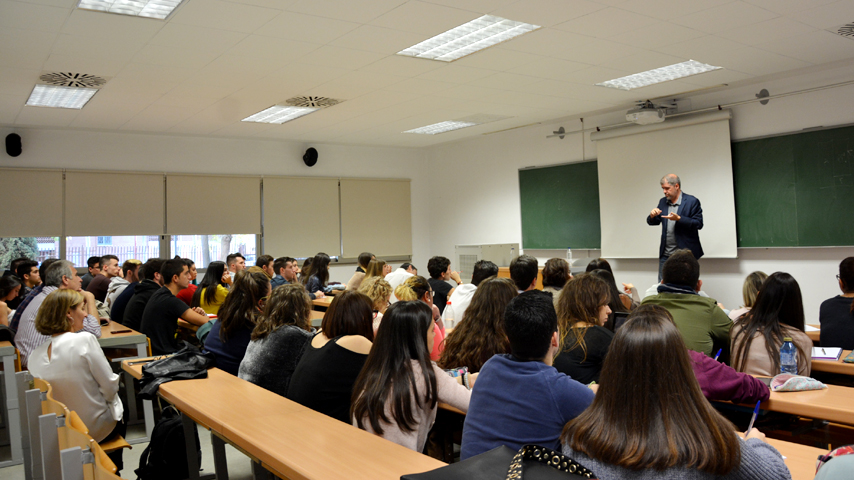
(520, 397)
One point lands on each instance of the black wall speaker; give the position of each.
(310, 157)
(13, 145)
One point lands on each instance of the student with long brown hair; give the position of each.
(480, 334)
(649, 419)
(581, 312)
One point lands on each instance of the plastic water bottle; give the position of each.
(448, 316)
(788, 363)
(569, 256)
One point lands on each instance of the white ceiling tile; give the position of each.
(778, 28)
(643, 61)
(106, 27)
(548, 42)
(607, 23)
(378, 39)
(233, 71)
(346, 58)
(657, 35)
(468, 92)
(244, 129)
(143, 73)
(353, 85)
(157, 118)
(789, 6)
(424, 18)
(707, 49)
(594, 75)
(456, 74)
(478, 6)
(717, 77)
(191, 102)
(564, 89)
(46, 117)
(18, 81)
(756, 62)
(223, 15)
(213, 92)
(14, 14)
(24, 48)
(306, 28)
(67, 63)
(725, 17)
(549, 68)
(83, 47)
(69, 4)
(295, 79)
(499, 59)
(361, 12)
(547, 13)
(827, 16)
(129, 90)
(669, 9)
(105, 115)
(402, 66)
(173, 56)
(815, 47)
(505, 81)
(10, 105)
(599, 52)
(273, 49)
(190, 37)
(205, 122)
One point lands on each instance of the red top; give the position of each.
(186, 295)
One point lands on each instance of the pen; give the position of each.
(823, 352)
(752, 419)
(719, 353)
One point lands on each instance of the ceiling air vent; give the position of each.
(846, 30)
(66, 79)
(312, 102)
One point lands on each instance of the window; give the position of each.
(37, 248)
(204, 249)
(139, 247)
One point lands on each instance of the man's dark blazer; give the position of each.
(687, 228)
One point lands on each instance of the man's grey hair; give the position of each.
(55, 272)
(671, 180)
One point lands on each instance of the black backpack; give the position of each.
(165, 457)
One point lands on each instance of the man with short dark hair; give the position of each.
(461, 298)
(440, 273)
(160, 318)
(523, 271)
(521, 398)
(235, 262)
(118, 284)
(287, 269)
(94, 266)
(101, 283)
(398, 276)
(266, 264)
(703, 324)
(28, 272)
(150, 283)
(13, 266)
(16, 318)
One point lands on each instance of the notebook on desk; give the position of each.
(826, 353)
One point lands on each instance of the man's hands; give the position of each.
(673, 216)
(455, 276)
(654, 213)
(90, 303)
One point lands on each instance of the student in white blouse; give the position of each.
(76, 367)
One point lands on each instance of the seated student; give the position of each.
(27, 272)
(304, 271)
(836, 314)
(396, 394)
(235, 263)
(377, 268)
(362, 268)
(10, 285)
(397, 277)
(480, 335)
(278, 339)
(717, 380)
(186, 295)
(76, 368)
(231, 333)
(94, 266)
(555, 275)
(615, 302)
(150, 281)
(758, 336)
(379, 291)
(283, 267)
(324, 377)
(523, 380)
(523, 272)
(649, 419)
(101, 283)
(704, 326)
(119, 283)
(161, 314)
(582, 311)
(440, 272)
(462, 296)
(417, 287)
(749, 290)
(212, 290)
(629, 297)
(318, 273)
(15, 320)
(265, 262)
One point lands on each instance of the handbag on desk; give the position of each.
(531, 462)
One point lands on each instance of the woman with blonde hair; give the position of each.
(417, 287)
(76, 368)
(749, 291)
(379, 291)
(581, 314)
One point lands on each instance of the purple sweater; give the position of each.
(722, 382)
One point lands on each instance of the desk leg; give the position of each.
(259, 472)
(12, 414)
(220, 463)
(190, 442)
(147, 405)
(130, 391)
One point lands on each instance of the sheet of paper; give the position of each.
(810, 328)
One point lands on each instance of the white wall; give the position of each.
(90, 150)
(477, 180)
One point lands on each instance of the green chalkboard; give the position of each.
(795, 190)
(560, 206)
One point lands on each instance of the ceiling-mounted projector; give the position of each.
(645, 113)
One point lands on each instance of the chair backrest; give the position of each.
(78, 431)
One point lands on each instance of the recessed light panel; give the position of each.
(279, 114)
(658, 75)
(468, 38)
(60, 97)
(138, 8)
(441, 127)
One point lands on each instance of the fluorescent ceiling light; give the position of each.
(139, 8)
(468, 38)
(441, 127)
(61, 97)
(279, 114)
(658, 75)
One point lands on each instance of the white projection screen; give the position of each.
(632, 161)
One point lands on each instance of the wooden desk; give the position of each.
(832, 403)
(814, 336)
(834, 366)
(11, 405)
(187, 325)
(799, 458)
(322, 302)
(316, 318)
(117, 335)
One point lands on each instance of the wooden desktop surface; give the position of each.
(322, 302)
(814, 336)
(834, 366)
(799, 458)
(116, 334)
(832, 403)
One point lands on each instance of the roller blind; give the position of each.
(35, 206)
(113, 204)
(207, 205)
(301, 216)
(376, 217)
(633, 160)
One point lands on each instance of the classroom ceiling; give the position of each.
(215, 62)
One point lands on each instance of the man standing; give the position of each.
(681, 218)
(160, 318)
(60, 274)
(398, 276)
(101, 283)
(94, 264)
